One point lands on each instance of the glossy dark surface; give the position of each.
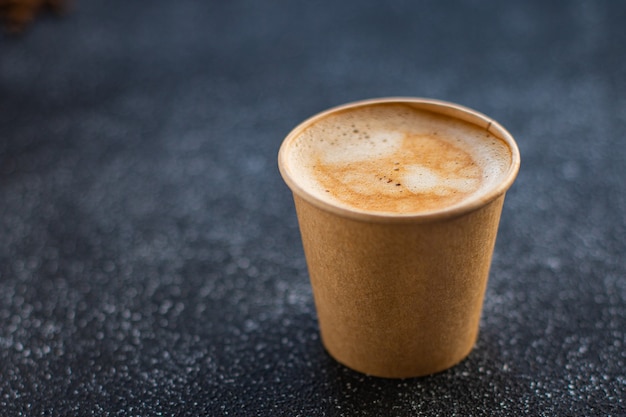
(150, 261)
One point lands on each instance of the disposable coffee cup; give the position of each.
(398, 202)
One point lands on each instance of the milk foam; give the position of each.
(393, 158)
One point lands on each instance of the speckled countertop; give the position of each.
(150, 261)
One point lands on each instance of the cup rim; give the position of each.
(433, 105)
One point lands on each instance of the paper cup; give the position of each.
(399, 295)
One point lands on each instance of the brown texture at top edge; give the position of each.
(436, 106)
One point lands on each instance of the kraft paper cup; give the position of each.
(400, 295)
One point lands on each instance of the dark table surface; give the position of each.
(150, 260)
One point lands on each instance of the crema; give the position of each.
(395, 158)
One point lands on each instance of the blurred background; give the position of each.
(150, 260)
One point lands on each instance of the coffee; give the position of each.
(398, 203)
(397, 158)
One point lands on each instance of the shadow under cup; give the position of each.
(399, 295)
